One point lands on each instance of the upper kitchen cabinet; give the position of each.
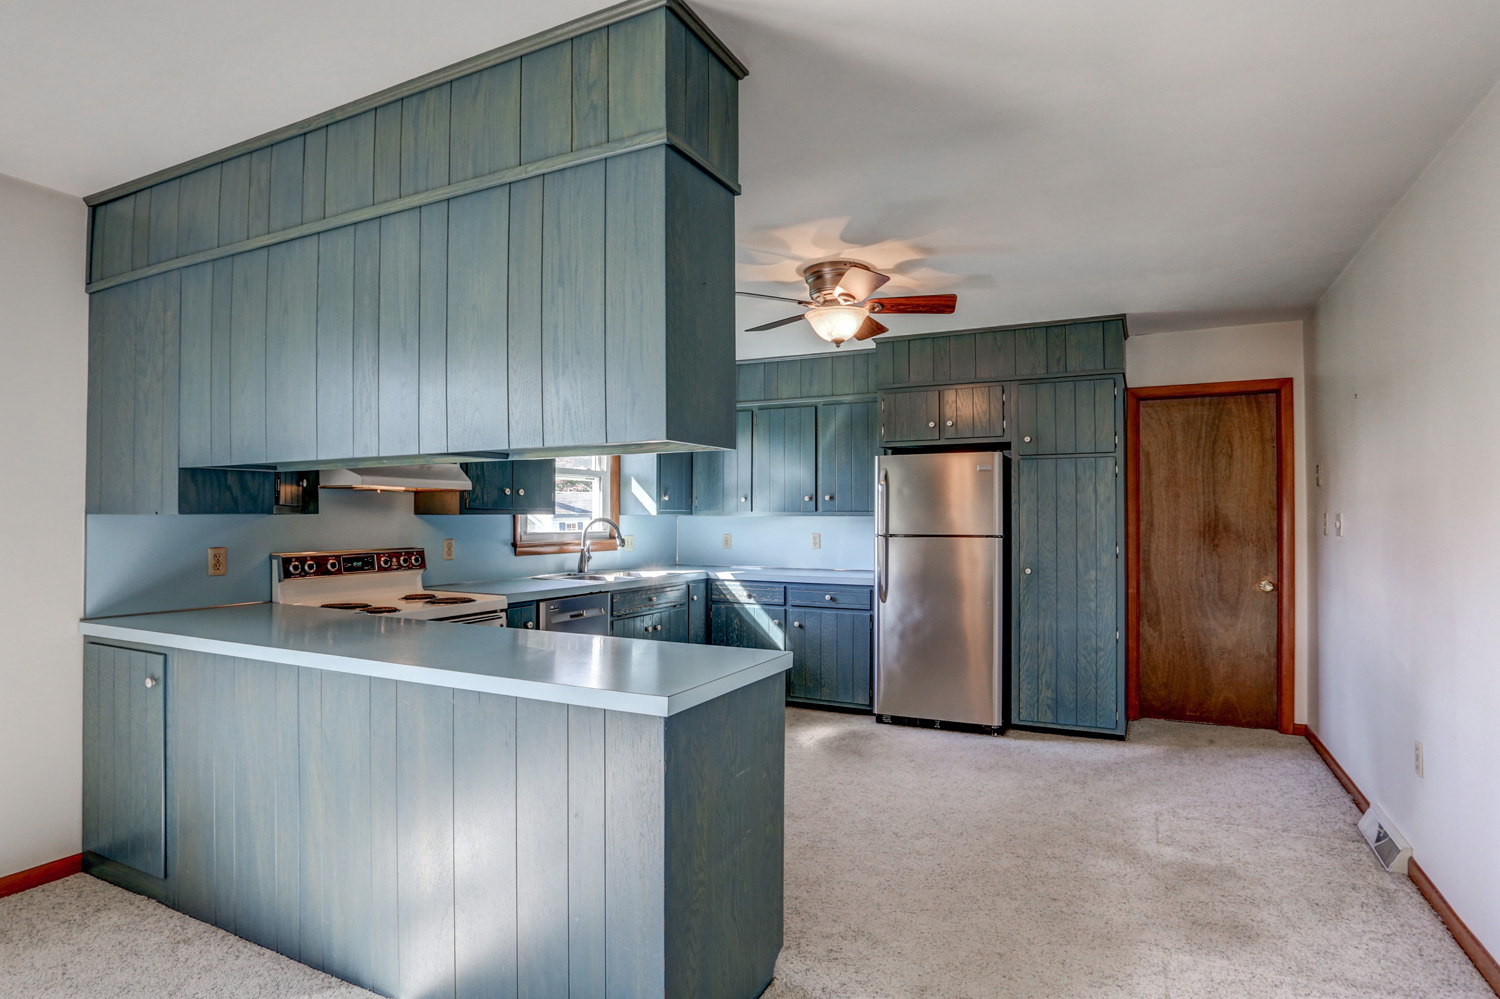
(656, 483)
(994, 355)
(1075, 416)
(524, 255)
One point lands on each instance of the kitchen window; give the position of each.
(586, 487)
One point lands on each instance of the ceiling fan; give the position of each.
(841, 307)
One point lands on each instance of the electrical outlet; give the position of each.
(448, 549)
(728, 541)
(817, 540)
(1421, 763)
(218, 561)
(627, 543)
(1338, 524)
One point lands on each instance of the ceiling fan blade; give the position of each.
(861, 283)
(914, 304)
(869, 328)
(773, 298)
(772, 326)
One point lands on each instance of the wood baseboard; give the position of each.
(1299, 729)
(1483, 960)
(20, 881)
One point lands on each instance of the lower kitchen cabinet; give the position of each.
(698, 612)
(827, 629)
(124, 757)
(1068, 665)
(657, 613)
(511, 486)
(521, 616)
(831, 657)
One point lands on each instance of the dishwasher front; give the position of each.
(585, 615)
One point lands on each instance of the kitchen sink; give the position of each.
(601, 577)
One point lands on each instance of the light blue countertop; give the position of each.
(618, 674)
(525, 588)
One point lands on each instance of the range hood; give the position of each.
(396, 478)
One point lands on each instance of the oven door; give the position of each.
(493, 618)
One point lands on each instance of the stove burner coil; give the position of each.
(420, 596)
(451, 600)
(345, 606)
(382, 610)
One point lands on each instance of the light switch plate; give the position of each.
(817, 540)
(218, 561)
(448, 549)
(627, 543)
(728, 541)
(1338, 524)
(1420, 761)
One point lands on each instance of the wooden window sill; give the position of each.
(563, 547)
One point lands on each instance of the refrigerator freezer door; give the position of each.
(937, 631)
(954, 493)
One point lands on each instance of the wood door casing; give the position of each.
(1208, 533)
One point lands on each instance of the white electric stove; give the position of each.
(385, 582)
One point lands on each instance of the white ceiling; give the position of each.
(1192, 163)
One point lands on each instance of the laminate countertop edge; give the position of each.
(525, 589)
(660, 679)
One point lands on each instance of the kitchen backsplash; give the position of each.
(778, 542)
(137, 564)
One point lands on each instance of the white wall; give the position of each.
(1234, 354)
(1404, 357)
(44, 346)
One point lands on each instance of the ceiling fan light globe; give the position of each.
(836, 323)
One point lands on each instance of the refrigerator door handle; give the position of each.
(884, 552)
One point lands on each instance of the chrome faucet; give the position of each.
(584, 555)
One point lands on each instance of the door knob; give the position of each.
(150, 681)
(1266, 586)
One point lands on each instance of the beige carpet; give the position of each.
(1188, 861)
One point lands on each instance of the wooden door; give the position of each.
(785, 447)
(1208, 565)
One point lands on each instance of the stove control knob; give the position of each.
(385, 561)
(403, 561)
(332, 565)
(416, 561)
(295, 568)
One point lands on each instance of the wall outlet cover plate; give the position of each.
(218, 561)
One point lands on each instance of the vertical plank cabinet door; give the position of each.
(675, 623)
(674, 482)
(1068, 670)
(831, 656)
(697, 608)
(521, 616)
(124, 757)
(974, 411)
(492, 486)
(847, 443)
(1077, 416)
(747, 626)
(535, 481)
(722, 479)
(709, 492)
(909, 416)
(784, 449)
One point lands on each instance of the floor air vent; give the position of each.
(1390, 847)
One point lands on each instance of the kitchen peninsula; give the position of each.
(427, 809)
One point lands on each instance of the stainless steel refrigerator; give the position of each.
(940, 583)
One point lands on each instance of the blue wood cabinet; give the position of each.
(511, 487)
(960, 413)
(371, 286)
(124, 757)
(828, 630)
(723, 480)
(847, 444)
(996, 355)
(910, 417)
(521, 615)
(784, 449)
(698, 612)
(1075, 416)
(657, 613)
(653, 484)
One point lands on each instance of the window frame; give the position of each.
(555, 547)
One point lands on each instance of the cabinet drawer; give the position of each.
(636, 601)
(749, 593)
(846, 597)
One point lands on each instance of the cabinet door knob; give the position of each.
(796, 624)
(828, 596)
(531, 624)
(520, 492)
(829, 496)
(1026, 439)
(744, 499)
(807, 499)
(695, 596)
(1027, 571)
(507, 490)
(150, 681)
(950, 423)
(665, 497)
(653, 600)
(930, 423)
